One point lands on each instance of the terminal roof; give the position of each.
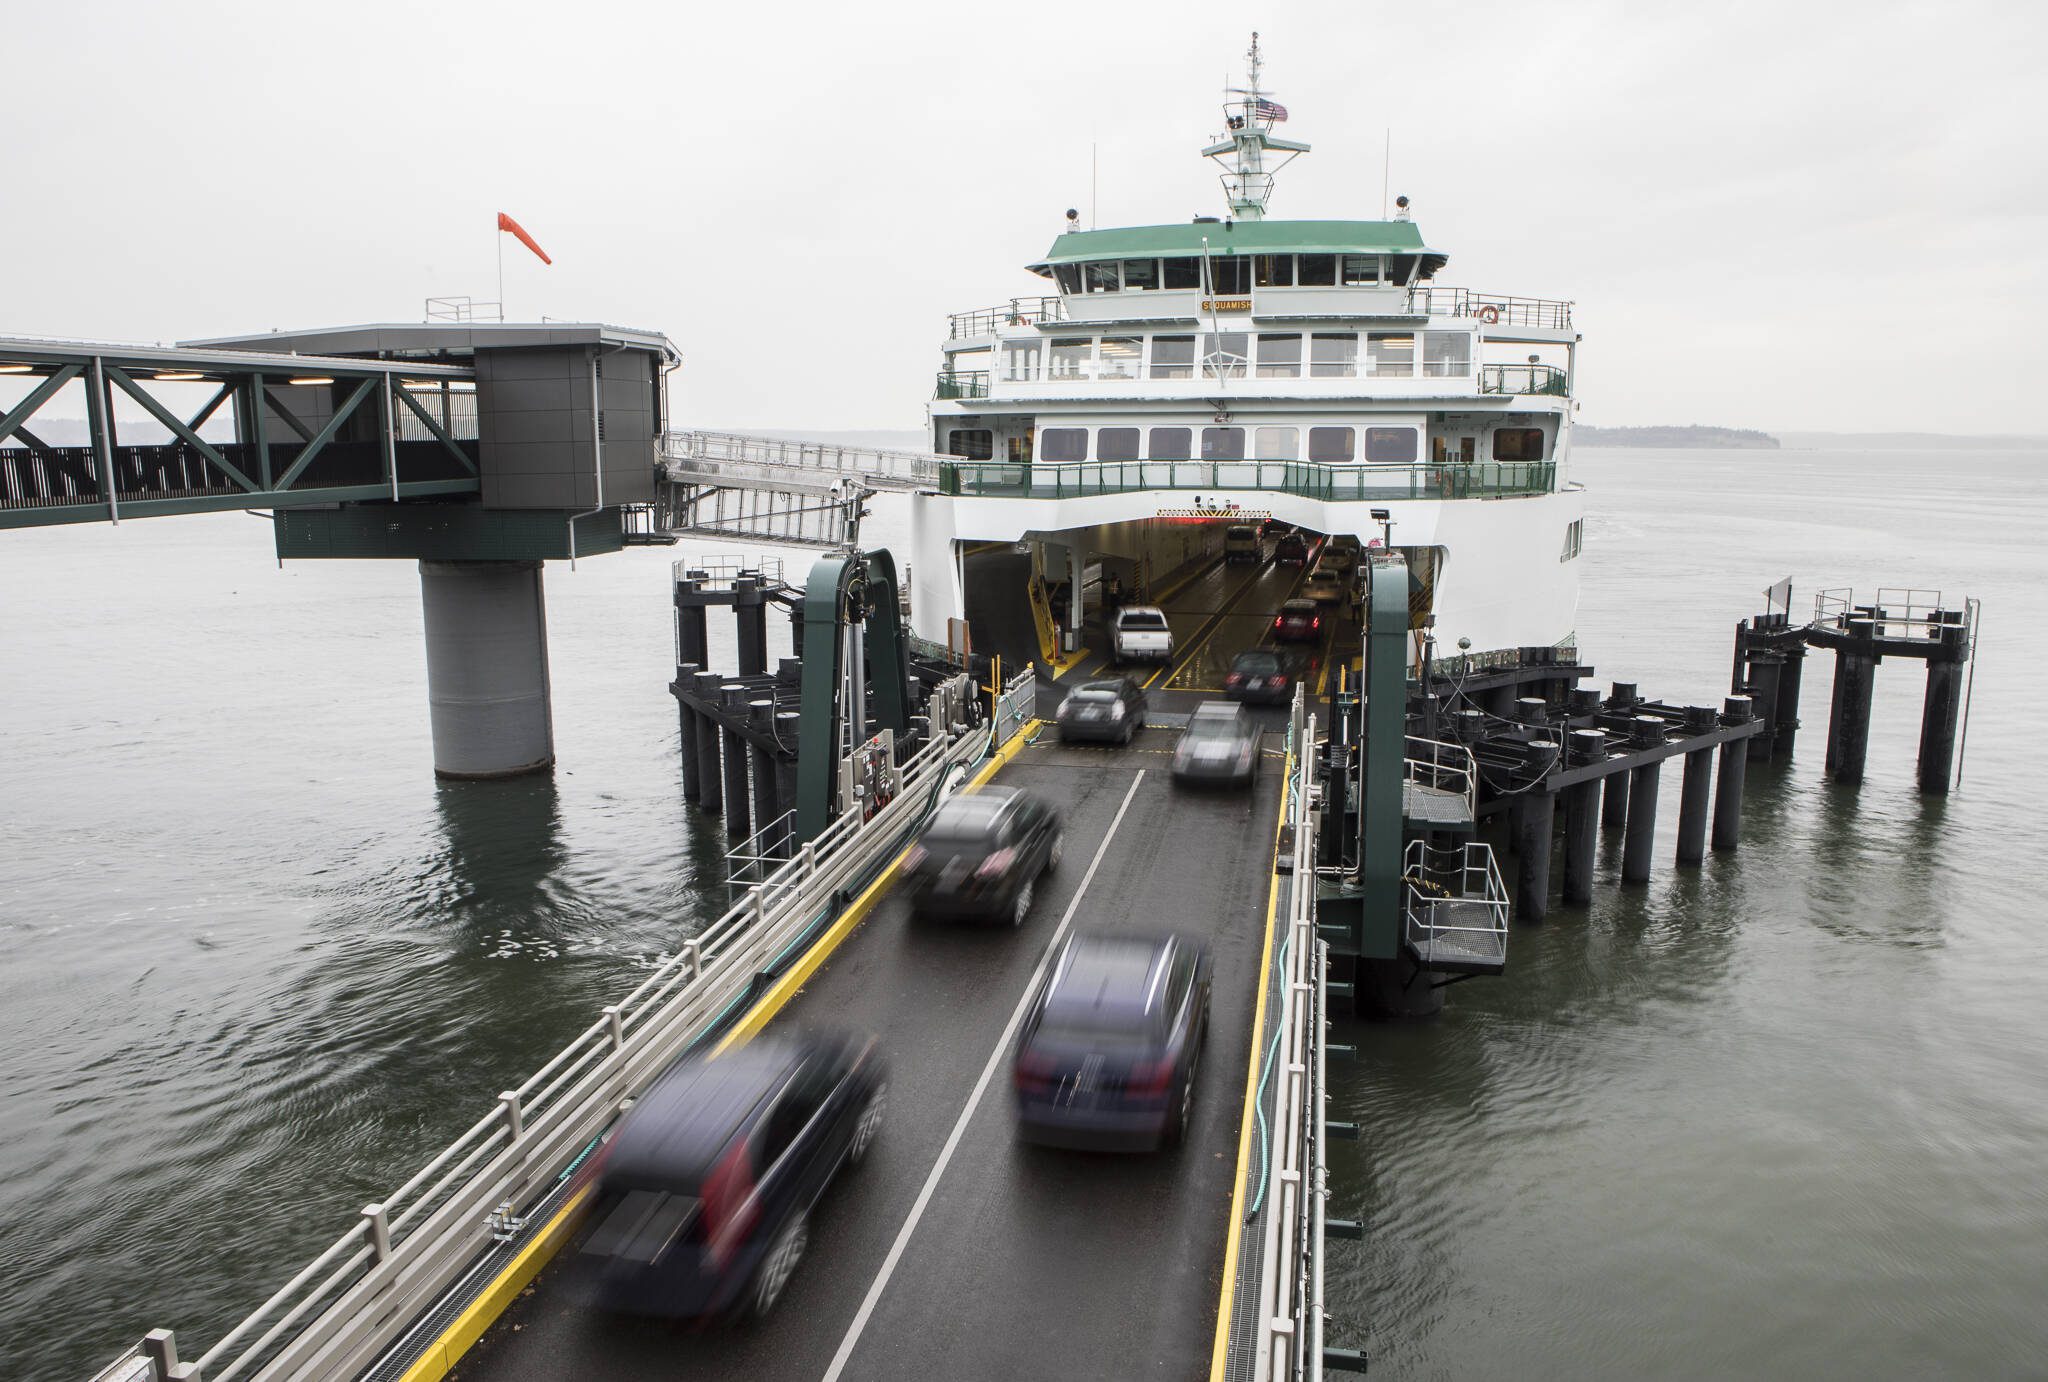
(431, 340)
(1241, 237)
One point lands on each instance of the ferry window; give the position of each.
(1068, 276)
(1333, 355)
(1276, 443)
(1399, 267)
(1316, 270)
(1518, 444)
(1171, 443)
(1391, 355)
(1181, 273)
(1223, 443)
(1173, 357)
(1390, 445)
(1230, 275)
(1141, 273)
(1020, 359)
(1102, 278)
(1224, 353)
(1446, 354)
(1063, 444)
(1573, 539)
(1275, 270)
(1361, 270)
(971, 443)
(1070, 357)
(1121, 356)
(1116, 444)
(1280, 356)
(1332, 445)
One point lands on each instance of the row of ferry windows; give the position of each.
(1235, 273)
(1329, 445)
(1234, 354)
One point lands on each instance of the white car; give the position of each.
(1324, 586)
(1140, 633)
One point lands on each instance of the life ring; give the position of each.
(1488, 314)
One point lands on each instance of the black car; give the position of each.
(982, 855)
(1291, 550)
(1111, 709)
(1260, 676)
(1109, 1047)
(1220, 744)
(1299, 621)
(702, 1196)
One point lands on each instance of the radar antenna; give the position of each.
(1249, 114)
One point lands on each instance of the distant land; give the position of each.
(1908, 441)
(1693, 437)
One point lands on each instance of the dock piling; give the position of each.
(1849, 720)
(1938, 715)
(1728, 785)
(1695, 790)
(733, 700)
(1534, 820)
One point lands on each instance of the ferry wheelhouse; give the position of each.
(1314, 371)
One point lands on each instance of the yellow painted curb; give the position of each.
(483, 1312)
(1220, 1354)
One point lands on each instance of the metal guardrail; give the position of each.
(986, 321)
(1896, 612)
(1548, 314)
(1454, 905)
(1524, 379)
(1289, 1325)
(720, 571)
(970, 383)
(1308, 479)
(1442, 767)
(365, 1290)
(736, 457)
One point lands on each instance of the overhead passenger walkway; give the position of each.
(956, 1250)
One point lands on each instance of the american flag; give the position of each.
(1269, 110)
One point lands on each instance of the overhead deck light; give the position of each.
(178, 376)
(314, 379)
(16, 369)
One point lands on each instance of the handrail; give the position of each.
(1438, 300)
(1308, 479)
(1288, 1329)
(1525, 379)
(1895, 612)
(403, 1252)
(1024, 311)
(782, 458)
(966, 383)
(1472, 867)
(1442, 766)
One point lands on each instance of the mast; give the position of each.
(1249, 114)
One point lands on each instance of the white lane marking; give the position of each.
(995, 1057)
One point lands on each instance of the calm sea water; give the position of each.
(1781, 1115)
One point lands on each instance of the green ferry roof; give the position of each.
(1239, 237)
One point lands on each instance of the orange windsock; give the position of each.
(507, 223)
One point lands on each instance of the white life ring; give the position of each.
(1488, 314)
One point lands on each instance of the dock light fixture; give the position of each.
(1385, 518)
(313, 379)
(178, 376)
(16, 369)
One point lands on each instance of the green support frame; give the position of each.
(1384, 748)
(844, 587)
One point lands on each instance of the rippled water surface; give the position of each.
(1781, 1115)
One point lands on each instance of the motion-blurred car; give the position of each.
(1325, 587)
(1291, 550)
(1260, 676)
(1299, 621)
(1339, 555)
(1112, 710)
(1220, 744)
(1140, 633)
(982, 856)
(702, 1197)
(1111, 1043)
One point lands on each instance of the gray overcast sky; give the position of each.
(1776, 215)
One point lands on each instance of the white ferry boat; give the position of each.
(1313, 371)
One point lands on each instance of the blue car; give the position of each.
(1107, 1057)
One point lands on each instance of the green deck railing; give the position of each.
(963, 383)
(1524, 379)
(1450, 480)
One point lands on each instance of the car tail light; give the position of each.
(1233, 679)
(1033, 1072)
(996, 864)
(1316, 622)
(1280, 621)
(914, 860)
(1278, 682)
(1150, 1078)
(729, 1205)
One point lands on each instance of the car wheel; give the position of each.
(1022, 907)
(1052, 854)
(870, 1123)
(780, 1264)
(1184, 1116)
(1129, 731)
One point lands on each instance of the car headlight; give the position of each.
(1116, 711)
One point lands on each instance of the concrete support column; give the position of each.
(732, 699)
(1849, 721)
(1938, 726)
(1642, 823)
(487, 667)
(1533, 825)
(710, 782)
(1728, 785)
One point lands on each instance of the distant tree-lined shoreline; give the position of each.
(1714, 438)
